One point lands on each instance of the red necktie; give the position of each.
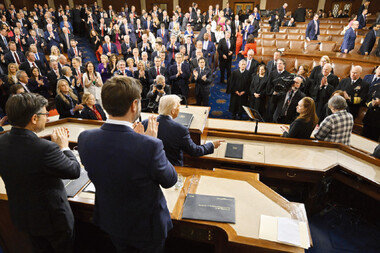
(158, 70)
(75, 51)
(109, 48)
(19, 42)
(102, 32)
(209, 36)
(92, 24)
(17, 59)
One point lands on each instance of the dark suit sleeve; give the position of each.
(162, 170)
(61, 164)
(193, 149)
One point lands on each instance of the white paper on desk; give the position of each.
(288, 231)
(268, 228)
(90, 188)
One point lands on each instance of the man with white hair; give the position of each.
(51, 37)
(324, 87)
(338, 126)
(349, 38)
(355, 90)
(157, 90)
(175, 137)
(121, 71)
(109, 47)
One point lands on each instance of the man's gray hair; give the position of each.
(167, 104)
(337, 102)
(19, 73)
(160, 78)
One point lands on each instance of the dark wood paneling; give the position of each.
(116, 5)
(373, 7)
(292, 4)
(149, 5)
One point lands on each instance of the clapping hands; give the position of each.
(151, 130)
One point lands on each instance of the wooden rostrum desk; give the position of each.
(252, 197)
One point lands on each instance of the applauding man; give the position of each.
(127, 167)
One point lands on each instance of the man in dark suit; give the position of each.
(53, 75)
(190, 48)
(282, 11)
(30, 63)
(73, 51)
(226, 49)
(286, 103)
(126, 47)
(355, 90)
(202, 77)
(323, 88)
(130, 205)
(51, 37)
(228, 11)
(13, 56)
(349, 38)
(206, 29)
(312, 29)
(172, 47)
(109, 47)
(145, 45)
(362, 19)
(372, 79)
(299, 14)
(32, 169)
(272, 64)
(179, 74)
(369, 41)
(208, 48)
(235, 24)
(274, 79)
(164, 34)
(365, 5)
(252, 64)
(34, 39)
(175, 137)
(156, 70)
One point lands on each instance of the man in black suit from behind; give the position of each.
(175, 137)
(226, 49)
(32, 169)
(299, 14)
(369, 41)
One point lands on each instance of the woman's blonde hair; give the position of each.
(60, 83)
(54, 50)
(309, 113)
(85, 97)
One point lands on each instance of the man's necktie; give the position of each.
(249, 64)
(158, 71)
(16, 57)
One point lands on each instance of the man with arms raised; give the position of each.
(130, 205)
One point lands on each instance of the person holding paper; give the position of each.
(130, 205)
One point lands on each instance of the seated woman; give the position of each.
(66, 102)
(304, 125)
(251, 44)
(130, 67)
(55, 53)
(39, 84)
(91, 110)
(112, 65)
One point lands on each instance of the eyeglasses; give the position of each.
(43, 113)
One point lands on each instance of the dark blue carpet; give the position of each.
(342, 229)
(87, 51)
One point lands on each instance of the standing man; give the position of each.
(312, 29)
(300, 14)
(32, 169)
(202, 77)
(179, 74)
(349, 38)
(369, 40)
(238, 87)
(130, 205)
(226, 49)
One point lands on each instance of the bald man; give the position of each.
(355, 90)
(349, 38)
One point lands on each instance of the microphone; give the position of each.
(184, 98)
(258, 114)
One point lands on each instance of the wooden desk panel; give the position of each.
(357, 141)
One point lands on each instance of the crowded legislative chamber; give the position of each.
(258, 123)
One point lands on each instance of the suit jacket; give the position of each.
(253, 67)
(87, 113)
(124, 50)
(200, 84)
(37, 41)
(203, 31)
(369, 79)
(152, 73)
(8, 57)
(270, 66)
(322, 95)
(348, 40)
(165, 36)
(300, 129)
(64, 108)
(52, 41)
(145, 49)
(176, 139)
(223, 49)
(246, 31)
(274, 78)
(310, 30)
(368, 43)
(235, 28)
(172, 50)
(299, 15)
(182, 79)
(25, 66)
(66, 45)
(33, 182)
(362, 21)
(291, 112)
(71, 53)
(113, 49)
(127, 177)
(53, 78)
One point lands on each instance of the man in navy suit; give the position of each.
(369, 41)
(179, 75)
(349, 38)
(202, 77)
(312, 29)
(372, 79)
(175, 137)
(172, 48)
(129, 171)
(164, 34)
(246, 31)
(109, 47)
(209, 48)
(51, 37)
(362, 19)
(13, 56)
